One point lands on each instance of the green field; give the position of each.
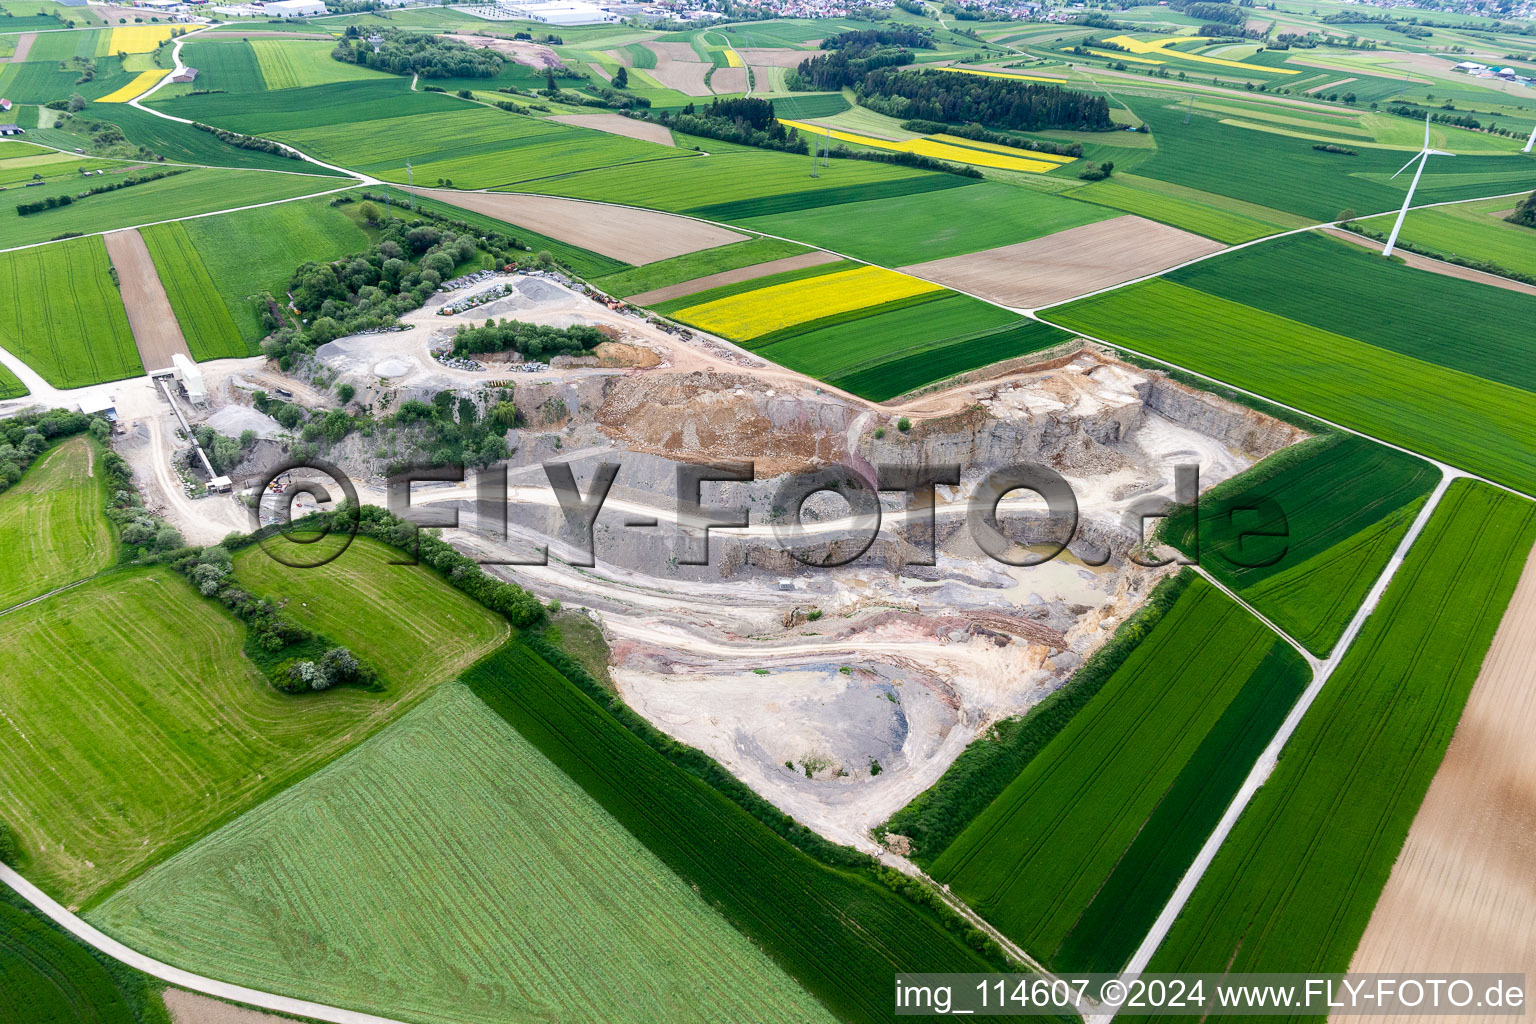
(41, 81)
(342, 103)
(514, 895)
(301, 63)
(473, 147)
(911, 229)
(51, 525)
(1347, 289)
(1477, 424)
(1203, 213)
(359, 600)
(227, 64)
(1286, 173)
(62, 315)
(147, 727)
(49, 977)
(1128, 780)
(690, 266)
(199, 190)
(195, 255)
(11, 385)
(1293, 886)
(839, 934)
(205, 317)
(1472, 231)
(1340, 504)
(183, 143)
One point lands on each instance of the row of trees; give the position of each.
(977, 133)
(746, 121)
(997, 102)
(253, 142)
(22, 209)
(408, 53)
(1525, 213)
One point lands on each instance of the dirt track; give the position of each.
(1413, 259)
(617, 124)
(23, 47)
(1462, 896)
(698, 284)
(534, 55)
(1069, 263)
(155, 330)
(634, 236)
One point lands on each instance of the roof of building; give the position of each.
(11, 128)
(185, 75)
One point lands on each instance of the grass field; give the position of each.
(911, 229)
(1473, 231)
(11, 385)
(393, 616)
(897, 373)
(1129, 779)
(515, 895)
(49, 977)
(274, 241)
(1288, 174)
(184, 144)
(196, 191)
(1203, 213)
(690, 266)
(840, 935)
(227, 64)
(147, 727)
(206, 320)
(342, 103)
(51, 524)
(1294, 884)
(1340, 504)
(61, 314)
(1346, 289)
(1477, 424)
(301, 63)
(473, 147)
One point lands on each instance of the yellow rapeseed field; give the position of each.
(733, 58)
(140, 38)
(955, 150)
(142, 82)
(753, 314)
(1160, 46)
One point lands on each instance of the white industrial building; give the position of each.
(189, 377)
(557, 12)
(294, 8)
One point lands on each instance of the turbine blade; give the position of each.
(1426, 131)
(1440, 152)
(1407, 165)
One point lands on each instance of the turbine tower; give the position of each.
(1422, 156)
(1531, 141)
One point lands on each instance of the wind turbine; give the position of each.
(1422, 156)
(1530, 142)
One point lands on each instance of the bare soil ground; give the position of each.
(634, 236)
(155, 329)
(191, 1008)
(600, 72)
(532, 54)
(1462, 895)
(726, 81)
(699, 284)
(774, 58)
(23, 47)
(1434, 266)
(617, 124)
(678, 67)
(1069, 263)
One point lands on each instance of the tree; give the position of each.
(76, 103)
(621, 78)
(369, 211)
(345, 393)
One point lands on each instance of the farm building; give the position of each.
(556, 12)
(101, 405)
(294, 8)
(185, 75)
(5, 105)
(11, 129)
(1470, 66)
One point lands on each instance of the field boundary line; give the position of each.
(1270, 757)
(103, 943)
(1313, 661)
